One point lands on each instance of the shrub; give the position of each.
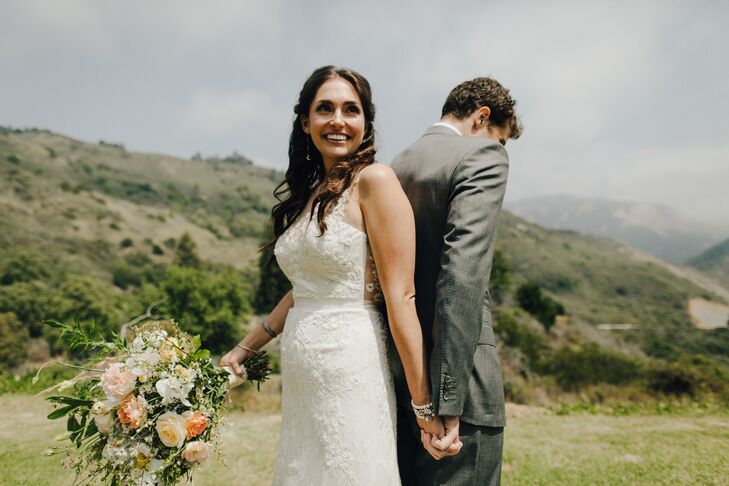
(210, 304)
(21, 266)
(521, 336)
(272, 283)
(500, 279)
(575, 366)
(543, 307)
(186, 254)
(13, 340)
(126, 243)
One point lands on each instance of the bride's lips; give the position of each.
(336, 138)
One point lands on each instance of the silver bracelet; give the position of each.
(424, 412)
(268, 329)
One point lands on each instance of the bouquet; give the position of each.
(149, 410)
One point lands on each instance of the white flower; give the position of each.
(115, 454)
(173, 388)
(104, 422)
(155, 338)
(143, 363)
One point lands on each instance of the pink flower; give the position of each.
(116, 383)
(196, 451)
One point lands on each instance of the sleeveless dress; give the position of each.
(338, 399)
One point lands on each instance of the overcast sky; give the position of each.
(624, 100)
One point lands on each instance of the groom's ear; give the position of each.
(305, 124)
(482, 117)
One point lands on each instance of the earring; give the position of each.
(308, 157)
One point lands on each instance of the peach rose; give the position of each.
(195, 423)
(196, 451)
(133, 412)
(171, 429)
(116, 383)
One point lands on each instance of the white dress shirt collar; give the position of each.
(444, 124)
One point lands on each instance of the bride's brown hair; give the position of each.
(303, 175)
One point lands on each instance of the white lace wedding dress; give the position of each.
(338, 404)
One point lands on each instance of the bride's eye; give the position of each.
(323, 108)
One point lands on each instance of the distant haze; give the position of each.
(622, 100)
(655, 229)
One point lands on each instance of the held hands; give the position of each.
(440, 436)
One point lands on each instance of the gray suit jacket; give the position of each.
(456, 187)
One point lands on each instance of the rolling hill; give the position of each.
(653, 228)
(714, 262)
(85, 207)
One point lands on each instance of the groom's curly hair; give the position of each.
(471, 95)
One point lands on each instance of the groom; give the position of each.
(455, 178)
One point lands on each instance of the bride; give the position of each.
(345, 237)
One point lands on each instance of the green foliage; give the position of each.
(694, 376)
(543, 307)
(520, 335)
(272, 283)
(207, 303)
(185, 253)
(30, 383)
(13, 340)
(575, 366)
(126, 243)
(19, 265)
(500, 279)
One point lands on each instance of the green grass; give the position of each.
(541, 449)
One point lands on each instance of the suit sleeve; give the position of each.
(476, 195)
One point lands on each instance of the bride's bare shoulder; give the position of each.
(375, 175)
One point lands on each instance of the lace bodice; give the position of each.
(336, 265)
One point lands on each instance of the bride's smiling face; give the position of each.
(336, 121)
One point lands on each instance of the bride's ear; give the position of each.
(305, 124)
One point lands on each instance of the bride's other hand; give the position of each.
(234, 358)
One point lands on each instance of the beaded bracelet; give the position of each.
(268, 329)
(424, 412)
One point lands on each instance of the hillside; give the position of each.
(714, 262)
(652, 228)
(93, 230)
(600, 281)
(64, 196)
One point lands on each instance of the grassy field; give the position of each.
(541, 449)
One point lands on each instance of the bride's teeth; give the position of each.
(337, 137)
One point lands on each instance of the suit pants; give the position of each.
(477, 464)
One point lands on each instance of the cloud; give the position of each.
(615, 97)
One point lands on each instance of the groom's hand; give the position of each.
(449, 444)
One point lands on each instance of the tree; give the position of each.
(186, 253)
(544, 308)
(500, 280)
(272, 284)
(209, 304)
(13, 340)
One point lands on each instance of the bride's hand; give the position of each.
(433, 427)
(233, 359)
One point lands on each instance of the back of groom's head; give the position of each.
(471, 95)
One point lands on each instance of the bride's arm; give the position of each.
(258, 336)
(390, 226)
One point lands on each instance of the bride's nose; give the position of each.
(337, 119)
